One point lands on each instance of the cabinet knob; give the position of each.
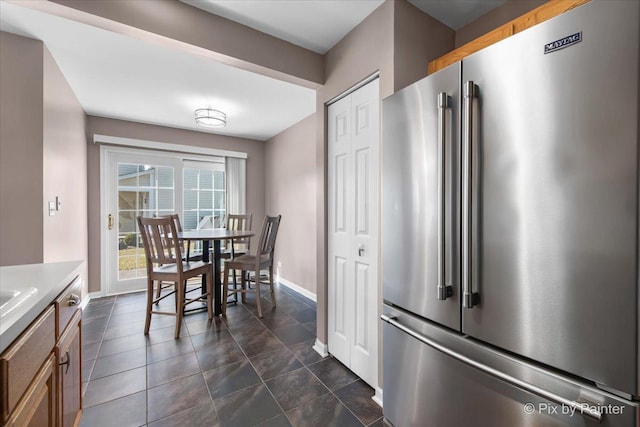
(74, 299)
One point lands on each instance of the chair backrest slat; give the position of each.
(160, 240)
(239, 222)
(267, 242)
(175, 217)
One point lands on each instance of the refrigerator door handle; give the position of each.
(589, 410)
(444, 290)
(469, 298)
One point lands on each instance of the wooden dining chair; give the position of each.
(261, 260)
(236, 247)
(197, 257)
(163, 251)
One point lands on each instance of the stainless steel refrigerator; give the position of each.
(510, 231)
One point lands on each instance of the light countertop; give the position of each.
(48, 280)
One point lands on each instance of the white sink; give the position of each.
(11, 299)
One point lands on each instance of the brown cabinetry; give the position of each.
(38, 405)
(70, 374)
(40, 372)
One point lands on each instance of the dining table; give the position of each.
(215, 235)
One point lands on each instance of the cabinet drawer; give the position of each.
(67, 304)
(22, 360)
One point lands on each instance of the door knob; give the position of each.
(110, 222)
(360, 250)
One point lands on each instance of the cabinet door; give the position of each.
(38, 405)
(69, 374)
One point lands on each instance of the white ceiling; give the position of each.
(315, 25)
(456, 13)
(128, 78)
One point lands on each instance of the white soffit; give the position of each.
(126, 78)
(316, 25)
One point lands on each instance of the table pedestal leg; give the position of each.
(217, 284)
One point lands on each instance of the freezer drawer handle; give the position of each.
(469, 298)
(590, 411)
(444, 291)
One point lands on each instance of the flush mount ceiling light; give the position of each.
(210, 118)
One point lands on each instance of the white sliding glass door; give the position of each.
(140, 183)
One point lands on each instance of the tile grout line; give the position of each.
(195, 352)
(93, 366)
(337, 398)
(304, 366)
(254, 368)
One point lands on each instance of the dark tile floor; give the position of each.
(234, 371)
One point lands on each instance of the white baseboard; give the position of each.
(85, 301)
(94, 295)
(321, 348)
(378, 396)
(297, 288)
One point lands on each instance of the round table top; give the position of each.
(214, 234)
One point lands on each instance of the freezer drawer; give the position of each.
(424, 385)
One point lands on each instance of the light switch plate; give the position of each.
(52, 208)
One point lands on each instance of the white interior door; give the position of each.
(353, 145)
(341, 202)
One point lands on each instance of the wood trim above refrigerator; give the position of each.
(540, 14)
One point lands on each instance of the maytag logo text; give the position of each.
(563, 42)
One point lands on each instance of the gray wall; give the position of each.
(65, 169)
(21, 208)
(495, 18)
(290, 190)
(125, 129)
(42, 155)
(418, 39)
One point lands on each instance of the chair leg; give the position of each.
(147, 321)
(158, 291)
(243, 285)
(273, 295)
(225, 292)
(180, 298)
(258, 296)
(235, 286)
(210, 294)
